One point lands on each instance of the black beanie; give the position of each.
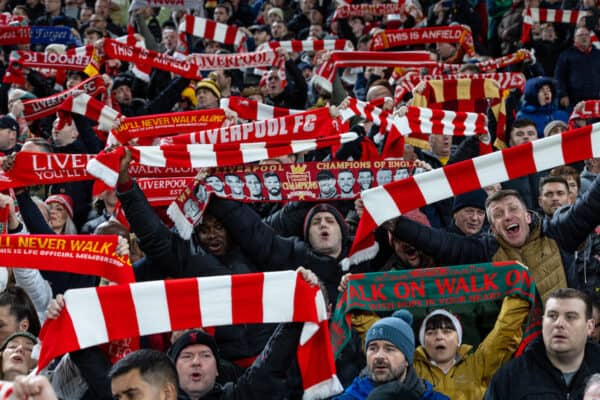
(476, 199)
(190, 338)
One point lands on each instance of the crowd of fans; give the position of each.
(548, 220)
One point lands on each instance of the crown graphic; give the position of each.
(298, 169)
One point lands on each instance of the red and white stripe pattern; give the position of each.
(94, 316)
(587, 110)
(361, 10)
(93, 109)
(386, 202)
(310, 45)
(496, 63)
(6, 390)
(325, 74)
(506, 80)
(532, 15)
(252, 110)
(106, 164)
(211, 30)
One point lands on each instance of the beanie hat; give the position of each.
(447, 314)
(20, 94)
(190, 338)
(418, 216)
(64, 200)
(397, 330)
(324, 207)
(26, 334)
(476, 199)
(210, 83)
(190, 94)
(122, 79)
(553, 124)
(7, 122)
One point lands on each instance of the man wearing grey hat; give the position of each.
(390, 348)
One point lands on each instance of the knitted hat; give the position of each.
(64, 200)
(450, 316)
(277, 11)
(7, 122)
(26, 334)
(122, 79)
(553, 124)
(324, 207)
(397, 330)
(190, 338)
(190, 94)
(210, 83)
(476, 199)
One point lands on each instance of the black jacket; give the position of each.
(174, 257)
(264, 379)
(533, 377)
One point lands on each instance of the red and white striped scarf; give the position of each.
(252, 110)
(418, 120)
(485, 66)
(93, 316)
(309, 45)
(211, 30)
(389, 201)
(361, 10)
(506, 80)
(84, 104)
(106, 164)
(39, 108)
(306, 125)
(45, 63)
(456, 34)
(532, 15)
(6, 390)
(590, 110)
(325, 74)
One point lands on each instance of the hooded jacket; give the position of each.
(532, 376)
(531, 108)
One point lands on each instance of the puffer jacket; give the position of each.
(568, 230)
(468, 378)
(412, 388)
(532, 376)
(531, 108)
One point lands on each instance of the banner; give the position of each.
(458, 34)
(53, 34)
(12, 35)
(436, 288)
(208, 62)
(160, 192)
(361, 10)
(78, 254)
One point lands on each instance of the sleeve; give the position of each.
(258, 381)
(299, 88)
(500, 344)
(165, 101)
(289, 220)
(94, 366)
(89, 139)
(561, 75)
(38, 289)
(570, 227)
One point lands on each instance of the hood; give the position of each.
(533, 85)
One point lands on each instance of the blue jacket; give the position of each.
(532, 110)
(412, 388)
(578, 75)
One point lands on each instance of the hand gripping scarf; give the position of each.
(93, 316)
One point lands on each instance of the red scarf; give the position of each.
(39, 108)
(394, 199)
(211, 30)
(4, 214)
(12, 35)
(78, 254)
(306, 125)
(590, 110)
(457, 34)
(299, 46)
(361, 10)
(252, 110)
(532, 15)
(93, 316)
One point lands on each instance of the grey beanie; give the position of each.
(397, 330)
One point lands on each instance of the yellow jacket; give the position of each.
(469, 377)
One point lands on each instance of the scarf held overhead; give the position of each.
(394, 199)
(93, 316)
(79, 254)
(434, 287)
(252, 110)
(312, 181)
(105, 166)
(208, 29)
(458, 34)
(532, 15)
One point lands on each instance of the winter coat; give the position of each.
(578, 75)
(412, 388)
(531, 108)
(532, 376)
(564, 233)
(586, 180)
(294, 94)
(264, 379)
